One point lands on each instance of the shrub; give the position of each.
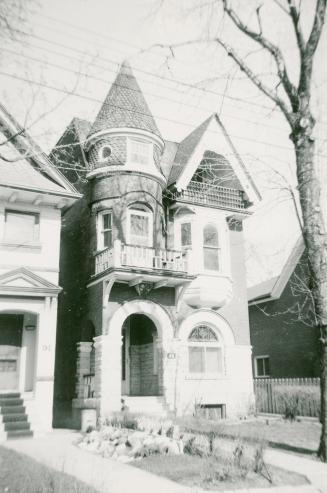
(197, 445)
(293, 401)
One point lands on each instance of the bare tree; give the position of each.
(293, 99)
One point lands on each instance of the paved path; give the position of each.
(315, 471)
(57, 450)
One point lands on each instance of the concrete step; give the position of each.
(11, 401)
(12, 410)
(9, 418)
(146, 404)
(17, 425)
(9, 395)
(19, 434)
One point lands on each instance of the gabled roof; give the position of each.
(273, 288)
(23, 281)
(212, 136)
(186, 149)
(33, 170)
(125, 106)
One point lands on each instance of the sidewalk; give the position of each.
(315, 471)
(57, 450)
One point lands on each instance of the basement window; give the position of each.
(262, 366)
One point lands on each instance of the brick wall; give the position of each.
(283, 330)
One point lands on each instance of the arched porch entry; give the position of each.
(140, 355)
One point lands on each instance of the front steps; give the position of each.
(151, 405)
(13, 418)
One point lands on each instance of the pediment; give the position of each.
(24, 280)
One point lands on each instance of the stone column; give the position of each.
(108, 373)
(83, 366)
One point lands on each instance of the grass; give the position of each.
(20, 474)
(302, 437)
(205, 473)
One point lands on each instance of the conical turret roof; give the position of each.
(125, 106)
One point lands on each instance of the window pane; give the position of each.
(139, 152)
(106, 221)
(196, 359)
(210, 236)
(203, 333)
(214, 360)
(107, 239)
(210, 258)
(266, 366)
(186, 238)
(21, 227)
(260, 368)
(139, 225)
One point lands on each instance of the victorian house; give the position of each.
(33, 194)
(153, 315)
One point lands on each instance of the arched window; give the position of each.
(204, 351)
(210, 247)
(139, 225)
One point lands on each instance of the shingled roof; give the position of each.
(125, 106)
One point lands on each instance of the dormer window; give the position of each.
(139, 152)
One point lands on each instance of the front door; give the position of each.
(10, 347)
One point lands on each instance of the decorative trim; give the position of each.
(107, 287)
(125, 131)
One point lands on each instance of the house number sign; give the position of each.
(171, 355)
(46, 347)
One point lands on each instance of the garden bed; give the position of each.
(20, 474)
(209, 473)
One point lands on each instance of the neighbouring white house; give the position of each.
(32, 195)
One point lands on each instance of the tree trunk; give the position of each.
(315, 239)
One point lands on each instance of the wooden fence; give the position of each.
(273, 395)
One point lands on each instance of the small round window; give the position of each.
(105, 152)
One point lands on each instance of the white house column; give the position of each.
(108, 372)
(45, 363)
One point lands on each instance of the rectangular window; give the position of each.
(21, 227)
(262, 368)
(186, 234)
(104, 230)
(203, 359)
(140, 228)
(139, 152)
(210, 247)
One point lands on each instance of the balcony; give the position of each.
(153, 262)
(211, 196)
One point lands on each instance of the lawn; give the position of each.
(20, 474)
(296, 436)
(208, 473)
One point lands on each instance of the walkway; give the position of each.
(57, 450)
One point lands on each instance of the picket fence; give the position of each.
(272, 395)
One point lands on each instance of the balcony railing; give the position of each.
(88, 384)
(121, 255)
(211, 195)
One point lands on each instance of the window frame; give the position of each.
(261, 357)
(205, 344)
(130, 142)
(36, 227)
(101, 230)
(149, 214)
(212, 248)
(101, 158)
(188, 246)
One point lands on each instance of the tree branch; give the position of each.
(274, 50)
(295, 16)
(255, 79)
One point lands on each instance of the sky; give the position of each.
(65, 63)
